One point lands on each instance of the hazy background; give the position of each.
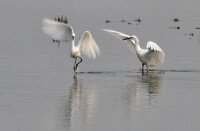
(38, 90)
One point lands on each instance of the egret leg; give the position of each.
(79, 62)
(147, 68)
(142, 67)
(75, 64)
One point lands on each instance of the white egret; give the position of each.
(151, 56)
(61, 31)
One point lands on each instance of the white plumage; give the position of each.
(151, 56)
(61, 31)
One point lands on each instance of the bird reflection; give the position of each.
(71, 101)
(145, 90)
(152, 80)
(79, 104)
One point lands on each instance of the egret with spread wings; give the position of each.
(151, 56)
(64, 32)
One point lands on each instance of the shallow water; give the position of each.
(39, 90)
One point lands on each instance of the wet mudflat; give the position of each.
(38, 88)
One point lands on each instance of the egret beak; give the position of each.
(128, 38)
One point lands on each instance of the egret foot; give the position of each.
(75, 68)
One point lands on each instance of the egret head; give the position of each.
(134, 39)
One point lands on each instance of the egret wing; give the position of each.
(57, 30)
(156, 53)
(88, 46)
(153, 46)
(122, 36)
(117, 34)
